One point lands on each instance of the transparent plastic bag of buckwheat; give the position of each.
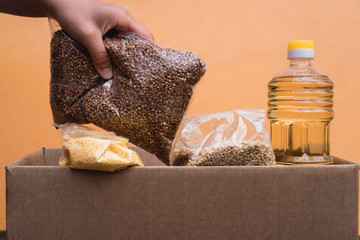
(236, 137)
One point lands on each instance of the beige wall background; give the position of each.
(243, 42)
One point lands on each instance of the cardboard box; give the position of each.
(45, 201)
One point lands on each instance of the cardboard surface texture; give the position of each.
(45, 201)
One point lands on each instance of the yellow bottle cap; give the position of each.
(301, 49)
(301, 44)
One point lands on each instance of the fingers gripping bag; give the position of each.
(85, 148)
(144, 101)
(237, 137)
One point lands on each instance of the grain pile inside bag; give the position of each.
(145, 100)
(84, 148)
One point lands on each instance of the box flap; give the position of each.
(147, 158)
(338, 160)
(35, 158)
(52, 156)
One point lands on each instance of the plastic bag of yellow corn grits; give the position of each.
(85, 148)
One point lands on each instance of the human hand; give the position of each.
(87, 21)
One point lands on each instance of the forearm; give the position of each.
(27, 8)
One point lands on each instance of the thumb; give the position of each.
(99, 55)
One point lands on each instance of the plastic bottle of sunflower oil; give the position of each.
(300, 109)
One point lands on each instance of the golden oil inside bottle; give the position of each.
(300, 111)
